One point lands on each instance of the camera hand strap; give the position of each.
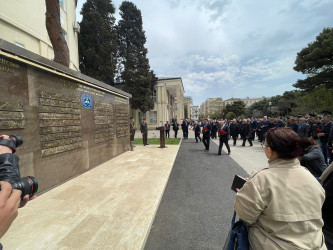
(8, 143)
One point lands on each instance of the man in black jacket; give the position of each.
(197, 131)
(234, 130)
(304, 129)
(214, 129)
(224, 133)
(207, 128)
(144, 131)
(246, 132)
(185, 125)
(167, 129)
(175, 127)
(324, 134)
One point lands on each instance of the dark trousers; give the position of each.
(206, 141)
(186, 133)
(253, 134)
(249, 139)
(234, 139)
(213, 135)
(176, 132)
(324, 148)
(144, 138)
(167, 133)
(260, 136)
(225, 141)
(197, 136)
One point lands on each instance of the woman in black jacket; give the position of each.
(312, 158)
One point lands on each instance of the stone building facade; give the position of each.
(211, 105)
(194, 112)
(187, 106)
(31, 34)
(168, 99)
(248, 100)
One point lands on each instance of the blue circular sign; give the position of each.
(86, 101)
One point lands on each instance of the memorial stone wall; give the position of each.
(69, 122)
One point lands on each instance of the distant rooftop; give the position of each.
(168, 78)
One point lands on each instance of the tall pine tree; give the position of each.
(316, 61)
(98, 40)
(133, 65)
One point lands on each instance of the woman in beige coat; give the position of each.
(282, 204)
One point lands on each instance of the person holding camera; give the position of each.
(10, 198)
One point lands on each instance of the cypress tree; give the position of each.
(98, 40)
(134, 72)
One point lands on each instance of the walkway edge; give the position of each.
(158, 204)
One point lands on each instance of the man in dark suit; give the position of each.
(197, 131)
(324, 135)
(144, 131)
(293, 125)
(175, 127)
(167, 130)
(279, 123)
(207, 128)
(304, 129)
(132, 133)
(234, 130)
(259, 130)
(224, 132)
(264, 127)
(214, 129)
(185, 129)
(253, 126)
(246, 132)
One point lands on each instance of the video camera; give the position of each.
(10, 171)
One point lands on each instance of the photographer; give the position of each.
(10, 199)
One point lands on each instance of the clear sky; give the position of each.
(229, 48)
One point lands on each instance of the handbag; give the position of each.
(237, 238)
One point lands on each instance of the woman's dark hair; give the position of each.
(307, 142)
(285, 142)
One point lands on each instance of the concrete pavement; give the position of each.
(109, 207)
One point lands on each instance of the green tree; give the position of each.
(134, 72)
(237, 107)
(98, 40)
(185, 111)
(316, 61)
(230, 115)
(315, 102)
(217, 114)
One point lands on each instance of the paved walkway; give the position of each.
(113, 205)
(197, 204)
(109, 207)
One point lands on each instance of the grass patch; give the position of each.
(156, 141)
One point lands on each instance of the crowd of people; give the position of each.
(287, 205)
(315, 130)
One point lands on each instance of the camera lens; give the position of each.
(28, 185)
(18, 140)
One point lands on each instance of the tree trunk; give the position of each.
(53, 26)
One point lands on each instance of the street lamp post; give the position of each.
(270, 107)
